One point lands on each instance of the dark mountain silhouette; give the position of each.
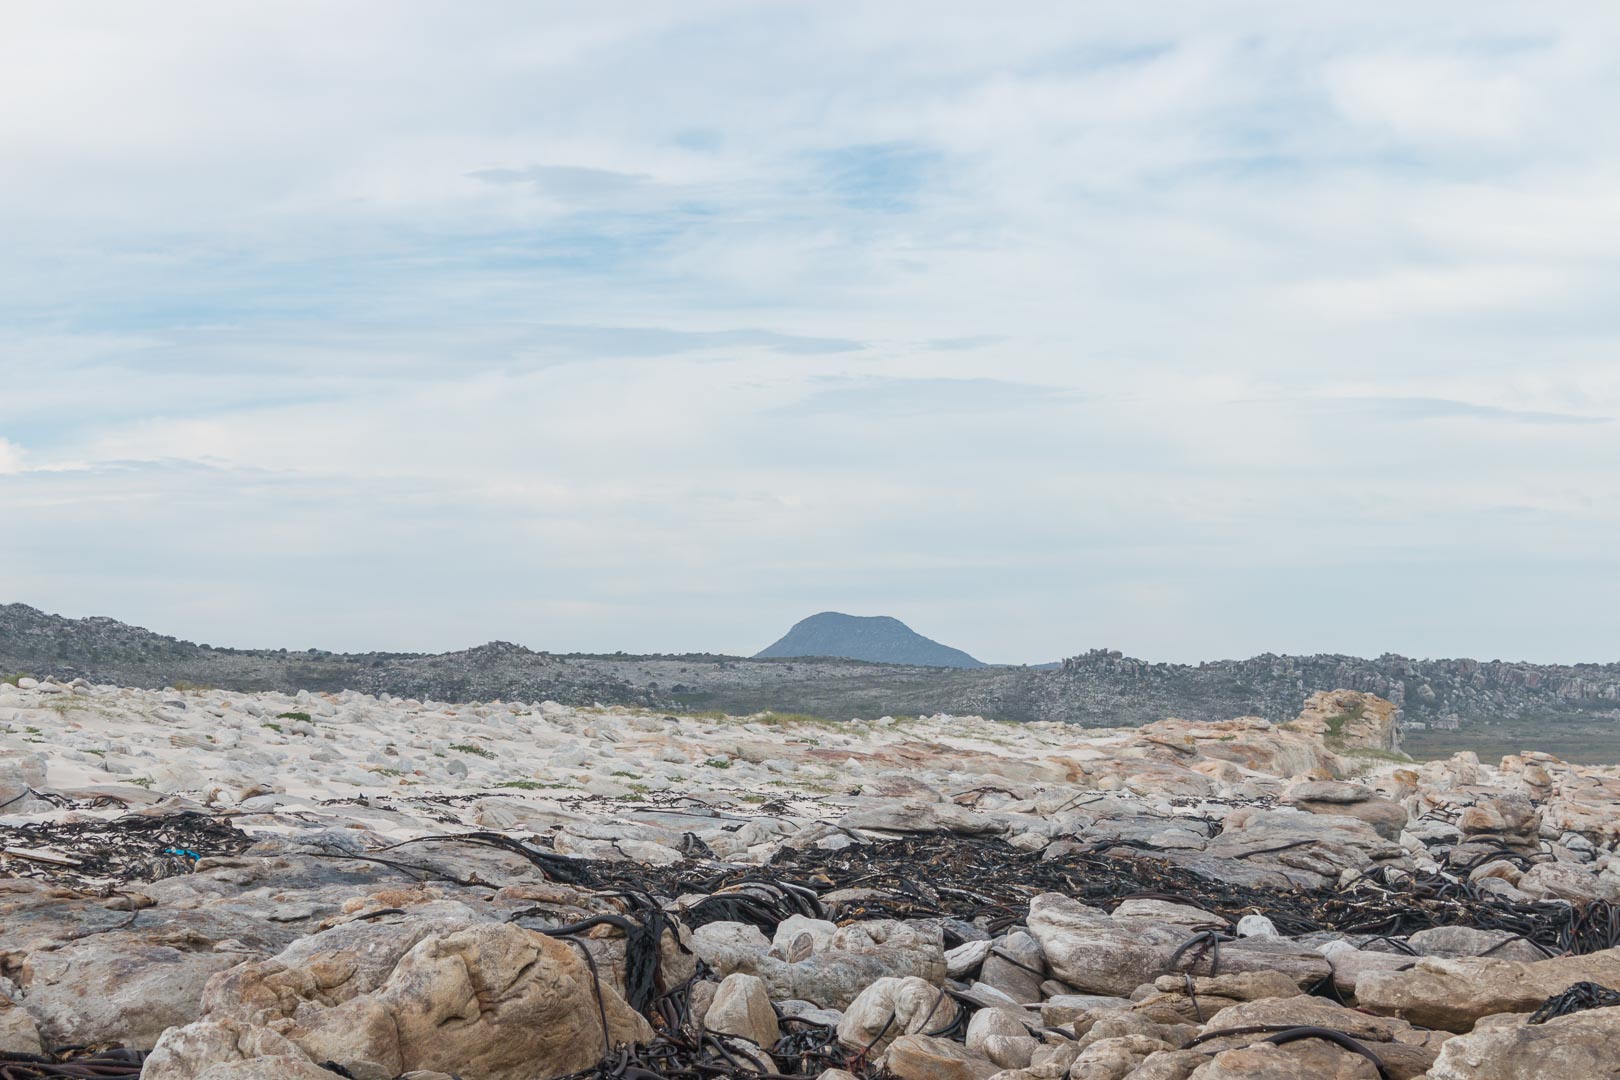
(876, 638)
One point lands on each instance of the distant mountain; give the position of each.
(876, 638)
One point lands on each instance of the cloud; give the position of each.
(1423, 408)
(656, 326)
(888, 397)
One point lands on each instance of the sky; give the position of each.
(1194, 329)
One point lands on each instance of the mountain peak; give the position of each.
(879, 639)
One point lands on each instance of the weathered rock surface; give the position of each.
(1581, 1046)
(420, 889)
(1453, 994)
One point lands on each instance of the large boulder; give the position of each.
(1098, 954)
(1313, 849)
(488, 1001)
(117, 988)
(890, 1008)
(921, 1057)
(1452, 994)
(1581, 1046)
(1386, 816)
(742, 1007)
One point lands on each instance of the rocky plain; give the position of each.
(206, 885)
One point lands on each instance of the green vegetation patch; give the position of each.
(469, 748)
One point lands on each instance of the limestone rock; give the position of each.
(891, 1007)
(189, 1052)
(1581, 1046)
(18, 1033)
(742, 1007)
(1349, 719)
(1453, 994)
(117, 988)
(1311, 1058)
(922, 1057)
(490, 1001)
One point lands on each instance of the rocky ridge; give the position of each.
(272, 886)
(1097, 688)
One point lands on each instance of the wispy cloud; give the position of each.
(1424, 408)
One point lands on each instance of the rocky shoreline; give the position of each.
(204, 885)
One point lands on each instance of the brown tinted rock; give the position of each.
(1453, 994)
(1116, 1057)
(1386, 817)
(490, 1001)
(18, 1035)
(742, 1007)
(1168, 1065)
(1349, 719)
(923, 1057)
(1581, 1046)
(186, 1053)
(1308, 1058)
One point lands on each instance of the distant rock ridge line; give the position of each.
(1097, 688)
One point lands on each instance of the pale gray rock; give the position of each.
(890, 1008)
(857, 955)
(1015, 966)
(1455, 941)
(1566, 881)
(116, 988)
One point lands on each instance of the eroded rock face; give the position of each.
(1453, 994)
(357, 925)
(117, 988)
(1582, 1046)
(488, 1001)
(1349, 720)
